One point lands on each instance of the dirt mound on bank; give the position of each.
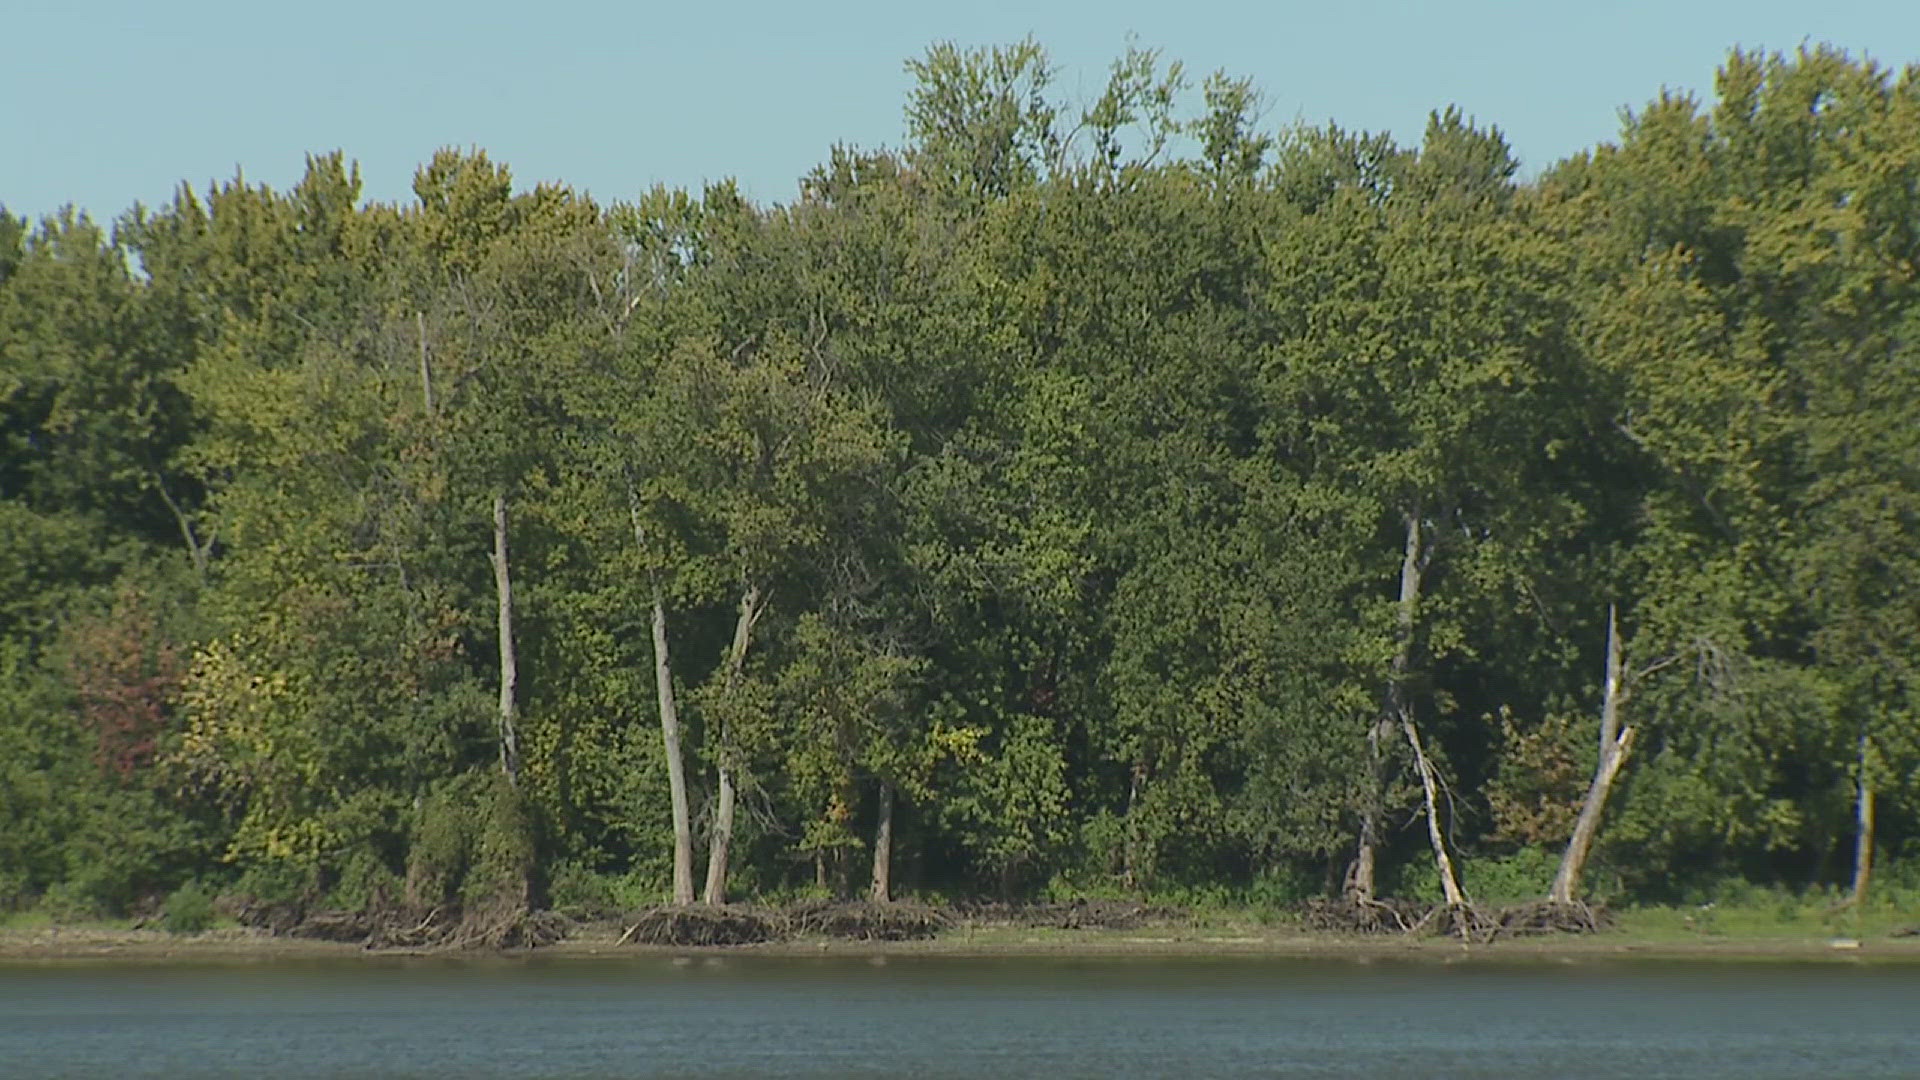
(700, 926)
(1075, 915)
(1469, 922)
(740, 924)
(857, 921)
(498, 926)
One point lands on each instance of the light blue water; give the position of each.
(741, 1015)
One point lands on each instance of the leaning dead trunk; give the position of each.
(1863, 837)
(1616, 742)
(509, 667)
(1400, 703)
(721, 842)
(1429, 785)
(882, 891)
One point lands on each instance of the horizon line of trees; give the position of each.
(1074, 499)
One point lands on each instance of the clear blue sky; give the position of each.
(103, 103)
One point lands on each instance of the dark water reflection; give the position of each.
(952, 1017)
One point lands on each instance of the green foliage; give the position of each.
(189, 910)
(1523, 875)
(1064, 461)
(576, 889)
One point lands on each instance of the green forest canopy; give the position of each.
(1079, 498)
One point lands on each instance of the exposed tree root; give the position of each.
(1545, 917)
(352, 926)
(1468, 922)
(1352, 915)
(501, 925)
(861, 921)
(1075, 915)
(701, 925)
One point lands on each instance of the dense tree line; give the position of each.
(1079, 498)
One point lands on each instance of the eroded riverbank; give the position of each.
(604, 941)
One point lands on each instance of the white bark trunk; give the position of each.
(676, 762)
(669, 728)
(718, 848)
(1616, 742)
(1429, 785)
(1361, 883)
(1863, 837)
(720, 843)
(1400, 702)
(426, 369)
(509, 666)
(882, 891)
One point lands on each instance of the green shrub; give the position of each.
(71, 902)
(189, 910)
(362, 880)
(505, 853)
(276, 881)
(1526, 874)
(580, 890)
(441, 844)
(1285, 885)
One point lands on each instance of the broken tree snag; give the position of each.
(719, 845)
(1863, 836)
(1616, 742)
(882, 890)
(1413, 566)
(509, 667)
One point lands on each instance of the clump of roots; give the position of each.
(1468, 922)
(867, 921)
(1075, 915)
(701, 926)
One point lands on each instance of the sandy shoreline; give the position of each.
(87, 944)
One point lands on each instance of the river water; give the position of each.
(742, 1016)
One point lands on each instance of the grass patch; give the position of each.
(1782, 919)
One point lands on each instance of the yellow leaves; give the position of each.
(235, 718)
(302, 840)
(243, 745)
(961, 745)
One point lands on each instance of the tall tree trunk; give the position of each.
(509, 666)
(882, 891)
(1400, 702)
(1863, 838)
(719, 845)
(1616, 742)
(1363, 876)
(669, 727)
(676, 763)
(1130, 850)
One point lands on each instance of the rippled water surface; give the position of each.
(951, 1017)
